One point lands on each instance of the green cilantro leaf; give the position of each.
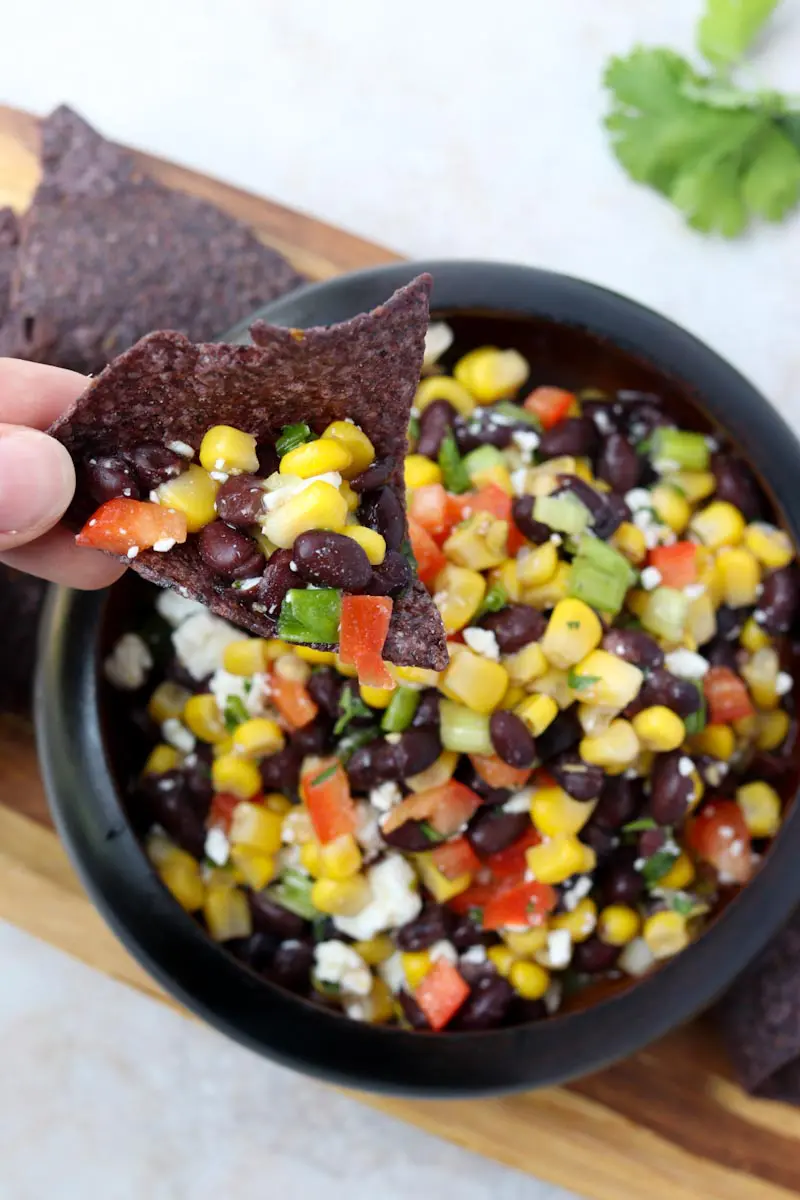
(495, 599)
(430, 833)
(293, 436)
(350, 707)
(657, 866)
(325, 775)
(579, 682)
(235, 713)
(639, 826)
(683, 904)
(728, 27)
(455, 475)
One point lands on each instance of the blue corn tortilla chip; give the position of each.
(366, 369)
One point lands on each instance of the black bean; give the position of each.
(331, 560)
(606, 421)
(281, 771)
(620, 882)
(465, 933)
(389, 576)
(492, 830)
(599, 838)
(412, 1012)
(635, 647)
(522, 512)
(258, 950)
(729, 622)
(561, 734)
(382, 510)
(432, 925)
(229, 552)
(620, 801)
(607, 511)
(240, 500)
(269, 460)
(409, 836)
(198, 785)
(108, 477)
(777, 604)
(292, 964)
(171, 807)
(720, 653)
(581, 780)
(737, 484)
(325, 930)
(325, 689)
(375, 763)
(515, 626)
(575, 437)
(270, 917)
(434, 423)
(427, 710)
(156, 464)
(375, 476)
(662, 687)
(593, 956)
(487, 1004)
(482, 430)
(643, 416)
(276, 581)
(313, 738)
(511, 740)
(618, 464)
(671, 792)
(417, 750)
(650, 841)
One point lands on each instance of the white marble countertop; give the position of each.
(437, 127)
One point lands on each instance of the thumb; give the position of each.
(37, 482)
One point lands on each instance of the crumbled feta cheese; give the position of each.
(443, 950)
(558, 952)
(784, 683)
(666, 466)
(175, 608)
(552, 997)
(685, 766)
(217, 847)
(129, 663)
(519, 480)
(253, 691)
(394, 739)
(573, 896)
(247, 585)
(556, 539)
(395, 900)
(368, 831)
(393, 973)
(164, 544)
(638, 498)
(712, 444)
(438, 339)
(475, 955)
(693, 590)
(280, 488)
(520, 802)
(650, 578)
(200, 642)
(715, 773)
(602, 421)
(385, 796)
(687, 664)
(132, 551)
(482, 641)
(176, 734)
(182, 448)
(220, 476)
(526, 441)
(336, 962)
(636, 958)
(356, 1010)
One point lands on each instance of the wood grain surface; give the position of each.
(666, 1124)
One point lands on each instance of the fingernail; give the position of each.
(37, 481)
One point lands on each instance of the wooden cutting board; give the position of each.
(667, 1124)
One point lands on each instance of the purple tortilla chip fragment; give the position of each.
(167, 390)
(106, 254)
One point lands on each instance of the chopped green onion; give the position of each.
(350, 706)
(665, 613)
(430, 833)
(413, 431)
(293, 436)
(323, 776)
(483, 459)
(463, 730)
(658, 865)
(685, 450)
(235, 713)
(515, 412)
(565, 513)
(310, 615)
(600, 576)
(579, 682)
(454, 474)
(639, 826)
(399, 712)
(496, 598)
(697, 721)
(293, 892)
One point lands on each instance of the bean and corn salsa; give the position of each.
(598, 769)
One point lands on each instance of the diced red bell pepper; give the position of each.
(122, 525)
(476, 896)
(516, 540)
(550, 405)
(727, 696)
(490, 498)
(441, 993)
(220, 814)
(326, 791)
(445, 808)
(498, 774)
(292, 701)
(719, 835)
(430, 559)
(436, 510)
(363, 628)
(519, 904)
(455, 858)
(676, 564)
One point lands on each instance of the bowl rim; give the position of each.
(88, 813)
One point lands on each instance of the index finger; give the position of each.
(33, 394)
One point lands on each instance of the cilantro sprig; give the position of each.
(351, 706)
(723, 155)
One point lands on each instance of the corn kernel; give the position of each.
(253, 867)
(180, 874)
(379, 1004)
(701, 620)
(580, 923)
(224, 448)
(246, 657)
(618, 746)
(546, 595)
(554, 811)
(256, 826)
(618, 924)
(603, 678)
(341, 897)
(441, 888)
(443, 387)
(362, 451)
(203, 718)
(458, 593)
(760, 673)
(529, 980)
(419, 471)
(436, 774)
(223, 747)
(629, 539)
(340, 858)
(746, 728)
(161, 758)
(695, 485)
(680, 875)
(319, 506)
(237, 775)
(717, 741)
(514, 695)
(376, 950)
(258, 737)
(491, 374)
(316, 458)
(501, 958)
(740, 576)
(761, 806)
(192, 493)
(583, 469)
(555, 860)
(665, 933)
(351, 498)
(770, 545)
(537, 712)
(475, 681)
(297, 827)
(594, 719)
(718, 524)
(553, 683)
(753, 637)
(274, 649)
(371, 542)
(671, 507)
(572, 632)
(168, 700)
(772, 729)
(416, 965)
(525, 944)
(537, 565)
(498, 474)
(310, 858)
(527, 664)
(227, 913)
(659, 729)
(478, 543)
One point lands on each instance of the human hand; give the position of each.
(37, 479)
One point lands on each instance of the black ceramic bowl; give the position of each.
(574, 334)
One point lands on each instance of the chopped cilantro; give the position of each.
(495, 599)
(293, 436)
(454, 474)
(683, 904)
(573, 624)
(235, 713)
(657, 866)
(325, 775)
(430, 833)
(639, 826)
(475, 914)
(413, 430)
(350, 706)
(579, 682)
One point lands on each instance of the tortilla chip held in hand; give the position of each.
(266, 481)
